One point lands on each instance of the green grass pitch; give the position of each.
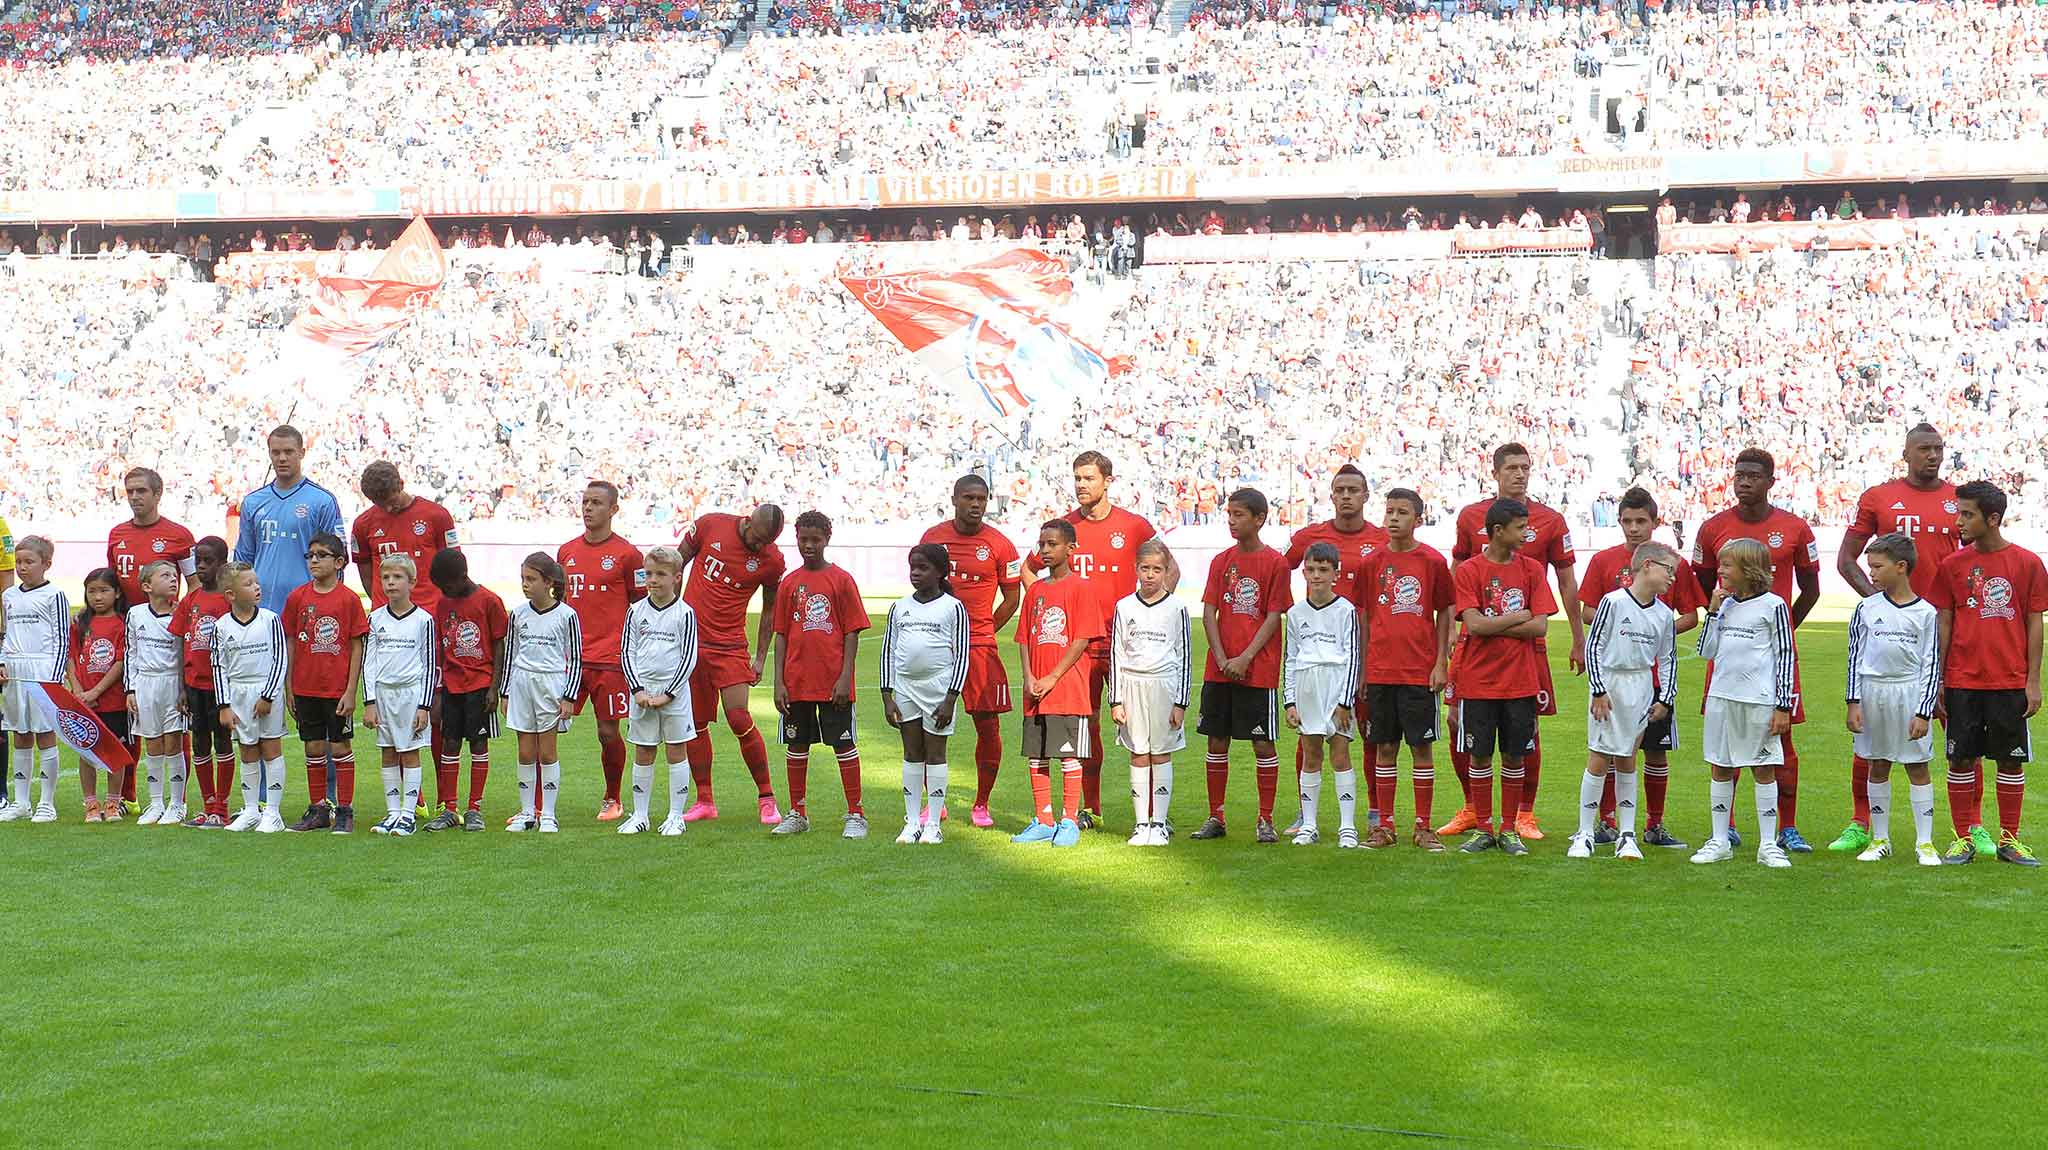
(176, 987)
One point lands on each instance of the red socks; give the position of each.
(1656, 781)
(1219, 782)
(479, 772)
(1041, 793)
(344, 767)
(447, 769)
(1424, 777)
(1269, 781)
(1788, 787)
(1478, 780)
(1607, 798)
(2012, 793)
(1072, 775)
(613, 752)
(1461, 764)
(988, 756)
(316, 780)
(1859, 790)
(1513, 779)
(1385, 778)
(754, 753)
(799, 780)
(699, 750)
(849, 779)
(1962, 795)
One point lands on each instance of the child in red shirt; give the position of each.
(1060, 617)
(471, 623)
(324, 625)
(213, 753)
(1247, 594)
(1505, 603)
(818, 620)
(99, 635)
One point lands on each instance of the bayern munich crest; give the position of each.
(157, 545)
(606, 563)
(79, 730)
(1777, 539)
(753, 565)
(981, 553)
(1949, 505)
(419, 528)
(1511, 601)
(1116, 541)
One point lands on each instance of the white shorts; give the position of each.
(251, 728)
(1148, 727)
(658, 726)
(1629, 699)
(1888, 707)
(397, 706)
(1318, 692)
(1739, 735)
(921, 699)
(534, 703)
(157, 698)
(22, 717)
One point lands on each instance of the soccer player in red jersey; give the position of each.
(729, 559)
(986, 567)
(324, 627)
(144, 539)
(1607, 572)
(604, 578)
(1060, 619)
(399, 523)
(1795, 555)
(147, 536)
(1355, 538)
(213, 753)
(1922, 507)
(1242, 604)
(471, 624)
(1549, 542)
(818, 620)
(1405, 599)
(1991, 596)
(1105, 558)
(1503, 598)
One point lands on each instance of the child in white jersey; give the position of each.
(1748, 637)
(1894, 684)
(1151, 676)
(155, 658)
(538, 690)
(924, 669)
(1318, 682)
(36, 647)
(249, 666)
(657, 652)
(401, 672)
(1631, 682)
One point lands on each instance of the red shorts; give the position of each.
(988, 683)
(715, 671)
(606, 686)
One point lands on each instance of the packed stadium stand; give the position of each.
(1451, 183)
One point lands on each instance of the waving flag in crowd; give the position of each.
(77, 726)
(990, 331)
(351, 316)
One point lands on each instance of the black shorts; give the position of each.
(1661, 735)
(1400, 712)
(827, 723)
(471, 715)
(322, 720)
(1487, 724)
(204, 719)
(1239, 711)
(117, 722)
(1056, 737)
(1988, 725)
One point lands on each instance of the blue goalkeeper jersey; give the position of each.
(277, 527)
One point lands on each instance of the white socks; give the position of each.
(1625, 802)
(679, 788)
(1162, 791)
(527, 777)
(1722, 795)
(934, 792)
(176, 762)
(643, 789)
(1347, 799)
(1311, 798)
(1141, 795)
(153, 777)
(1922, 798)
(23, 765)
(273, 785)
(1881, 810)
(394, 790)
(1590, 787)
(913, 791)
(1766, 813)
(251, 782)
(409, 783)
(550, 786)
(51, 768)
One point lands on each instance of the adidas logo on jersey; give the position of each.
(1898, 507)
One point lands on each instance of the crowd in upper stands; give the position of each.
(440, 90)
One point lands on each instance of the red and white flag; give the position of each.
(351, 316)
(78, 727)
(990, 331)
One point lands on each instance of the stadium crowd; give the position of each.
(545, 90)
